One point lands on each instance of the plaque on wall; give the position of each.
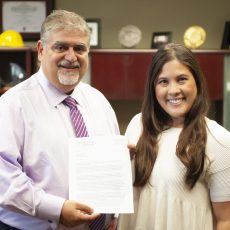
(25, 16)
(194, 37)
(129, 36)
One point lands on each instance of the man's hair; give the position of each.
(63, 20)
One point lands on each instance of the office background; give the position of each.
(151, 16)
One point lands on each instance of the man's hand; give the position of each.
(74, 213)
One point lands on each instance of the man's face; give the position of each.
(64, 58)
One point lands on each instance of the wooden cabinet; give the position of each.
(212, 66)
(20, 56)
(121, 74)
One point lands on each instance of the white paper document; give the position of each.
(100, 173)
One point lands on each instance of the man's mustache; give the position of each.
(69, 65)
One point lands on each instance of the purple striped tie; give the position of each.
(77, 119)
(81, 131)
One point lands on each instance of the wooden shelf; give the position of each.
(121, 74)
(21, 56)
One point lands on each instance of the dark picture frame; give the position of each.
(95, 27)
(226, 36)
(24, 16)
(160, 38)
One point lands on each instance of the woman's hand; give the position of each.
(113, 224)
(132, 150)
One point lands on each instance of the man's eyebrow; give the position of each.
(69, 44)
(60, 43)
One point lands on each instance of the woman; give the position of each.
(181, 165)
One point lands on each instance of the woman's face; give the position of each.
(176, 91)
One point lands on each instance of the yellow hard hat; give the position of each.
(11, 38)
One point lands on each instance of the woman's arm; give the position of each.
(222, 213)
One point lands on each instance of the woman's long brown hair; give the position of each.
(192, 140)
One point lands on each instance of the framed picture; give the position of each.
(94, 25)
(226, 36)
(160, 38)
(24, 16)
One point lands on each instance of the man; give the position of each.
(36, 124)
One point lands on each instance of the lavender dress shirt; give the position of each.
(34, 129)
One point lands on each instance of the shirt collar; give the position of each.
(55, 96)
(77, 94)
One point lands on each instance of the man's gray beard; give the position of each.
(68, 78)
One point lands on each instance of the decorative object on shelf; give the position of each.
(14, 75)
(129, 36)
(11, 38)
(95, 27)
(24, 16)
(194, 37)
(226, 36)
(160, 38)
